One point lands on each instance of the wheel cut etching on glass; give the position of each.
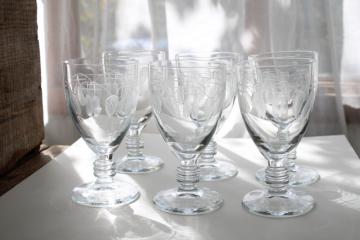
(276, 96)
(187, 105)
(101, 105)
(135, 161)
(299, 175)
(212, 166)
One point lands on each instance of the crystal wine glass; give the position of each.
(211, 168)
(276, 96)
(187, 103)
(299, 175)
(101, 101)
(135, 161)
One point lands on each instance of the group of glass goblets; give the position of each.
(191, 97)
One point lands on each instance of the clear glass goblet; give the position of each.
(187, 103)
(214, 168)
(299, 175)
(135, 162)
(276, 96)
(101, 101)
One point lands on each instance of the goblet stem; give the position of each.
(104, 169)
(135, 143)
(277, 175)
(188, 173)
(105, 192)
(135, 162)
(278, 200)
(298, 175)
(211, 169)
(208, 154)
(291, 160)
(187, 198)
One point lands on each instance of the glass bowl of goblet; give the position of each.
(299, 175)
(276, 96)
(101, 100)
(212, 167)
(187, 103)
(136, 162)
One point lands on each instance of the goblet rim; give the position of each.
(299, 51)
(304, 62)
(77, 62)
(136, 53)
(210, 55)
(175, 66)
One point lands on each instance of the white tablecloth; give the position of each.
(41, 208)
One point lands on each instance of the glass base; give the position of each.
(199, 201)
(112, 194)
(302, 176)
(290, 204)
(139, 166)
(217, 171)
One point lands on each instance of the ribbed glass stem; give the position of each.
(208, 154)
(277, 175)
(135, 143)
(291, 160)
(188, 173)
(104, 169)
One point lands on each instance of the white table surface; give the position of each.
(41, 208)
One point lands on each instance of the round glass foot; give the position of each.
(139, 166)
(290, 204)
(301, 176)
(216, 171)
(199, 201)
(112, 194)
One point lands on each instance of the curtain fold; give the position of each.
(59, 40)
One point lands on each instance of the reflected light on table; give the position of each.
(348, 200)
(126, 225)
(346, 180)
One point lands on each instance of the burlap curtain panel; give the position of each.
(21, 117)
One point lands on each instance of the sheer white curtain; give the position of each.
(59, 39)
(313, 25)
(86, 27)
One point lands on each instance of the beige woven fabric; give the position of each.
(21, 123)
